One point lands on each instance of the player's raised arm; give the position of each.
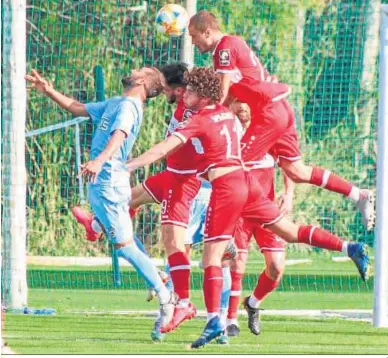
(42, 85)
(156, 153)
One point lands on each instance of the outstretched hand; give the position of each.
(38, 82)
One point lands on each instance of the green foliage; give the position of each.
(314, 45)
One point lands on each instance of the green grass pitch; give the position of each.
(105, 333)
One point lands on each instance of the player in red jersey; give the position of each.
(235, 192)
(272, 247)
(273, 130)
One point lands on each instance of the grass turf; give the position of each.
(86, 333)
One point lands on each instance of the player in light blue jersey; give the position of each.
(118, 122)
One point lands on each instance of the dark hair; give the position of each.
(203, 20)
(205, 82)
(174, 73)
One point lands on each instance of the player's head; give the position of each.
(203, 88)
(175, 83)
(204, 30)
(149, 77)
(243, 113)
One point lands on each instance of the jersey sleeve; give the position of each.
(125, 118)
(96, 109)
(225, 56)
(188, 129)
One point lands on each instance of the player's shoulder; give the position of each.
(231, 41)
(217, 112)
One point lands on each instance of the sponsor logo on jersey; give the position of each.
(224, 56)
(187, 114)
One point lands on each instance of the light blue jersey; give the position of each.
(117, 113)
(109, 197)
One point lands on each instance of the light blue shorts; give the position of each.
(110, 205)
(198, 208)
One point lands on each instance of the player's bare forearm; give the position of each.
(154, 154)
(70, 104)
(289, 185)
(113, 145)
(42, 85)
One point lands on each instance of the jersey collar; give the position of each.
(218, 42)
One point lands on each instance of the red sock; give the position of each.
(180, 273)
(325, 179)
(212, 288)
(314, 236)
(235, 293)
(264, 286)
(133, 212)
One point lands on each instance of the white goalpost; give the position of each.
(380, 306)
(13, 157)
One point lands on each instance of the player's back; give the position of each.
(251, 82)
(215, 127)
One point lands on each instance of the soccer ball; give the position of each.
(172, 20)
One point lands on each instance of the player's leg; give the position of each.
(242, 237)
(110, 205)
(287, 151)
(93, 228)
(299, 172)
(268, 214)
(179, 194)
(273, 249)
(223, 212)
(225, 296)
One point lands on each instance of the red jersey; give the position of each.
(215, 127)
(178, 161)
(251, 82)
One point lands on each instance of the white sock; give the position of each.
(230, 321)
(164, 295)
(253, 302)
(223, 315)
(184, 303)
(345, 248)
(96, 227)
(211, 315)
(354, 194)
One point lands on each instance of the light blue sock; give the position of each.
(144, 266)
(140, 245)
(169, 283)
(227, 285)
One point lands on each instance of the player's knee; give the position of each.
(275, 270)
(240, 262)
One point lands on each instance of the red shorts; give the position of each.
(174, 192)
(227, 200)
(265, 239)
(272, 131)
(245, 228)
(235, 195)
